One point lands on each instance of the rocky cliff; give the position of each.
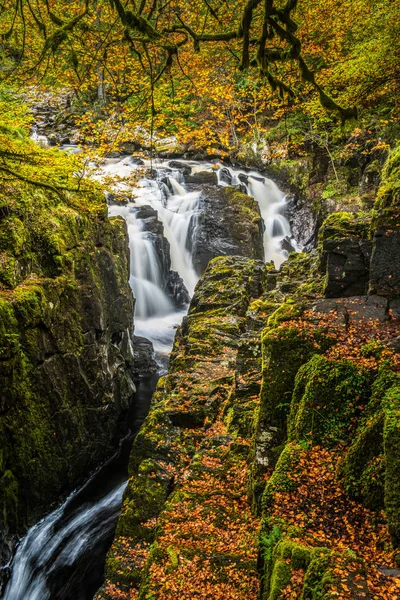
(66, 319)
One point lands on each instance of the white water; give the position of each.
(39, 139)
(59, 541)
(272, 204)
(177, 209)
(155, 315)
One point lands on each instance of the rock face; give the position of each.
(186, 499)
(346, 255)
(229, 224)
(385, 260)
(66, 366)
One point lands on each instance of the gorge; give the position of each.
(63, 555)
(199, 300)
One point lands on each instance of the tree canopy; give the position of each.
(260, 34)
(209, 69)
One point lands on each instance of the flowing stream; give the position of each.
(62, 557)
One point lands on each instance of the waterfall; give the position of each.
(57, 543)
(39, 139)
(155, 315)
(145, 268)
(178, 209)
(272, 203)
(276, 227)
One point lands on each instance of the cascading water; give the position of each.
(56, 544)
(272, 203)
(56, 558)
(145, 272)
(156, 316)
(42, 140)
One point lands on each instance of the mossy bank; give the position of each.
(66, 319)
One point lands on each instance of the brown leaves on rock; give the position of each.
(207, 547)
(323, 515)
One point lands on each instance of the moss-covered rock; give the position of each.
(389, 192)
(326, 398)
(229, 224)
(362, 467)
(391, 440)
(284, 349)
(281, 479)
(385, 259)
(66, 318)
(188, 458)
(345, 252)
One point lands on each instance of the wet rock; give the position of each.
(176, 290)
(143, 358)
(112, 199)
(203, 178)
(347, 267)
(181, 166)
(287, 245)
(137, 160)
(147, 212)
(225, 176)
(370, 308)
(229, 224)
(385, 262)
(176, 445)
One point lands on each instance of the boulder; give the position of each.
(144, 364)
(385, 263)
(181, 166)
(176, 290)
(203, 178)
(229, 224)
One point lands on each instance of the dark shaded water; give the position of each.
(62, 557)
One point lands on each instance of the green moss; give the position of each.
(286, 557)
(58, 287)
(389, 192)
(341, 225)
(173, 557)
(325, 400)
(215, 297)
(281, 479)
(362, 466)
(9, 499)
(284, 350)
(391, 440)
(286, 312)
(144, 498)
(246, 204)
